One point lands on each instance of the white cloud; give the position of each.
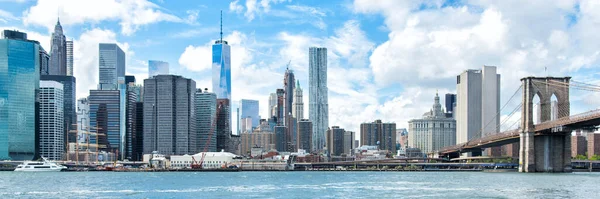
(131, 14)
(253, 7)
(6, 16)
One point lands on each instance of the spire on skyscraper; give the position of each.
(221, 26)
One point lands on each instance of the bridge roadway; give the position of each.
(587, 119)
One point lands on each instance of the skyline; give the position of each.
(364, 47)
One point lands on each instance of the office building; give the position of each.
(70, 113)
(261, 137)
(434, 131)
(105, 119)
(249, 109)
(169, 115)
(289, 84)
(58, 52)
(138, 140)
(349, 138)
(130, 149)
(378, 134)
(69, 58)
(83, 120)
(19, 84)
(335, 141)
(111, 66)
(281, 138)
(223, 125)
(477, 110)
(280, 111)
(298, 103)
(272, 105)
(44, 62)
(51, 126)
(206, 118)
(318, 105)
(450, 103)
(304, 135)
(157, 68)
(246, 125)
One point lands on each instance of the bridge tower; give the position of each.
(549, 150)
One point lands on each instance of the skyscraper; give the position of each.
(272, 105)
(51, 135)
(434, 131)
(70, 114)
(58, 52)
(335, 140)
(221, 70)
(349, 138)
(44, 62)
(169, 115)
(289, 84)
(206, 113)
(70, 58)
(19, 84)
(379, 134)
(223, 125)
(249, 108)
(280, 111)
(111, 66)
(450, 102)
(304, 135)
(478, 103)
(83, 119)
(157, 68)
(105, 119)
(298, 104)
(318, 105)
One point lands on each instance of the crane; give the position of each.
(198, 164)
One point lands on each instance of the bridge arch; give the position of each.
(545, 88)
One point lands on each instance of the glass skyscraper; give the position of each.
(105, 119)
(111, 66)
(249, 108)
(206, 113)
(19, 83)
(157, 68)
(318, 105)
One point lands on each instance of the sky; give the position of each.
(386, 58)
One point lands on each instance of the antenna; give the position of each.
(221, 26)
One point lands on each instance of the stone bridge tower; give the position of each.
(549, 150)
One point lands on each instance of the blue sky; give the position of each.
(387, 58)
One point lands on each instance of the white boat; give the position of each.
(40, 166)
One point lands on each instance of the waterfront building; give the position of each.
(318, 108)
(69, 94)
(19, 85)
(379, 134)
(139, 132)
(51, 125)
(156, 67)
(212, 160)
(593, 144)
(105, 119)
(434, 131)
(304, 135)
(281, 138)
(111, 66)
(578, 145)
(83, 119)
(249, 109)
(261, 137)
(70, 58)
(349, 138)
(169, 115)
(298, 103)
(130, 148)
(223, 125)
(335, 141)
(58, 52)
(206, 118)
(477, 110)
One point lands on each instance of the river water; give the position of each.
(298, 185)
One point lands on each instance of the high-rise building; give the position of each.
(289, 84)
(246, 125)
(70, 113)
(223, 125)
(304, 135)
(450, 103)
(593, 144)
(206, 118)
(379, 134)
(130, 149)
(157, 68)
(58, 52)
(578, 145)
(19, 85)
(261, 137)
(70, 58)
(280, 106)
(249, 108)
(105, 119)
(272, 105)
(138, 140)
(111, 66)
(434, 131)
(349, 138)
(169, 115)
(83, 119)
(51, 127)
(318, 105)
(298, 104)
(281, 138)
(44, 62)
(291, 125)
(477, 110)
(335, 140)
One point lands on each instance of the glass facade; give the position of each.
(249, 108)
(221, 68)
(105, 119)
(19, 82)
(206, 113)
(318, 104)
(111, 66)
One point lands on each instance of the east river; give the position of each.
(298, 185)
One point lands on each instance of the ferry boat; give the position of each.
(40, 166)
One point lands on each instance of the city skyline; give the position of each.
(390, 98)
